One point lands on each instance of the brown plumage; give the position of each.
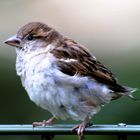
(62, 76)
(86, 64)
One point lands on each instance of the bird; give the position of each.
(62, 76)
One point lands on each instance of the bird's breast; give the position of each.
(37, 76)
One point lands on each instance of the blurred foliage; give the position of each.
(16, 108)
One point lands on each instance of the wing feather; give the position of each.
(85, 64)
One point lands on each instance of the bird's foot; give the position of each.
(80, 129)
(44, 122)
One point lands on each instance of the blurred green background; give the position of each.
(109, 28)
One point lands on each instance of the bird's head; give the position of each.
(33, 36)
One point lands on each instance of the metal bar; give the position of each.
(66, 130)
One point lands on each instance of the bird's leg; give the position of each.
(44, 122)
(81, 127)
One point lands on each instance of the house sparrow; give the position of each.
(62, 76)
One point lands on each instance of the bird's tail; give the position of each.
(129, 93)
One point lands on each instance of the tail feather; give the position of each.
(129, 92)
(120, 91)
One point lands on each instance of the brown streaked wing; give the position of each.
(86, 64)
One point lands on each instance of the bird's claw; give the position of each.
(80, 130)
(44, 122)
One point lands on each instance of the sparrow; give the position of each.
(62, 76)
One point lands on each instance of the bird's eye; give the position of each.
(30, 37)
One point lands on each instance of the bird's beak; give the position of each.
(13, 41)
